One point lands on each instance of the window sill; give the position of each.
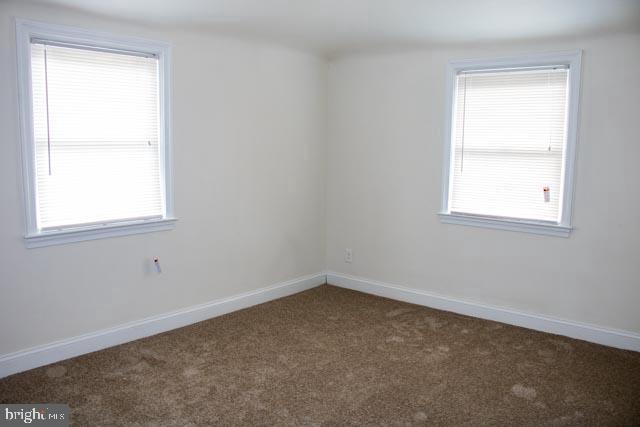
(507, 224)
(80, 234)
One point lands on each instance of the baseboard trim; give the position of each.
(54, 352)
(60, 350)
(610, 337)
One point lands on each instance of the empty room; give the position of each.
(320, 212)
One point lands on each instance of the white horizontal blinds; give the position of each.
(96, 123)
(509, 137)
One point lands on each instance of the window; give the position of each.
(95, 134)
(510, 143)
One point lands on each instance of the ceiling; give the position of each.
(334, 26)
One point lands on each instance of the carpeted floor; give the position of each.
(330, 356)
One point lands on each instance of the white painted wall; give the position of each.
(386, 117)
(249, 140)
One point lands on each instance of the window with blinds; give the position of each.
(96, 129)
(509, 132)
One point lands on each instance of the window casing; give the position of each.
(510, 142)
(95, 124)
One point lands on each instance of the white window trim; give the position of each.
(25, 31)
(563, 228)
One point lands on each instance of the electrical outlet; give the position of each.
(348, 255)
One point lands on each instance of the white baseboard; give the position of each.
(611, 337)
(87, 343)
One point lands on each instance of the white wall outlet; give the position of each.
(348, 255)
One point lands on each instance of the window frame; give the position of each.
(572, 59)
(26, 30)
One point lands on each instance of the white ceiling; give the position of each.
(333, 26)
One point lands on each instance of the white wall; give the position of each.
(386, 117)
(249, 140)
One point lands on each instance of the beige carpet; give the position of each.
(330, 356)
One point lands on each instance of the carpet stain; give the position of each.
(191, 372)
(56, 371)
(433, 323)
(333, 357)
(564, 345)
(420, 416)
(523, 392)
(399, 311)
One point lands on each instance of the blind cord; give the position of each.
(464, 113)
(549, 111)
(46, 95)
